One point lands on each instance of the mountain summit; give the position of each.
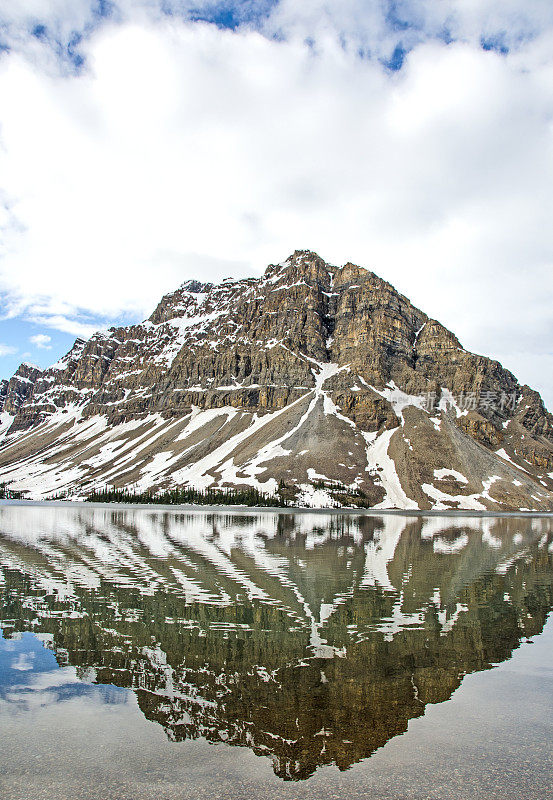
(321, 383)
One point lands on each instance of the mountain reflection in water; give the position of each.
(312, 639)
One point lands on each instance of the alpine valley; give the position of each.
(321, 385)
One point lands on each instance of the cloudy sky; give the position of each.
(143, 143)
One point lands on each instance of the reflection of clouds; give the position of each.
(65, 676)
(24, 700)
(23, 662)
(61, 685)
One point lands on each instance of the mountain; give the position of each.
(320, 383)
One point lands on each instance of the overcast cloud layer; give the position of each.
(141, 148)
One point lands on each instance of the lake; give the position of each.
(163, 654)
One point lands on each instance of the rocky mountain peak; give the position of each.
(19, 387)
(196, 287)
(310, 370)
(301, 265)
(28, 370)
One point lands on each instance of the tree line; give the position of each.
(185, 495)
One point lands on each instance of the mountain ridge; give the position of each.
(268, 381)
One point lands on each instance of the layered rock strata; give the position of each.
(320, 381)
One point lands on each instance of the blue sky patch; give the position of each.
(17, 345)
(231, 15)
(394, 19)
(26, 646)
(496, 43)
(104, 9)
(395, 62)
(25, 655)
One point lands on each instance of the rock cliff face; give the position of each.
(320, 379)
(17, 390)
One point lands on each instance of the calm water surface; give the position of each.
(192, 654)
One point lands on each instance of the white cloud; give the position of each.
(381, 26)
(65, 324)
(376, 27)
(41, 340)
(7, 350)
(187, 151)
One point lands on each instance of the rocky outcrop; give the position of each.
(19, 389)
(322, 377)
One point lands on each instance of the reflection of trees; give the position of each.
(310, 640)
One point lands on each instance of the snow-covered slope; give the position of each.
(320, 382)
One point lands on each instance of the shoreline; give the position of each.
(371, 512)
